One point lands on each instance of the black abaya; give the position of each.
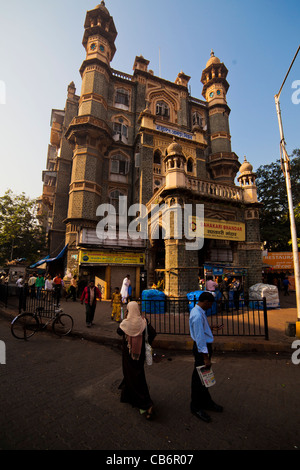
(134, 388)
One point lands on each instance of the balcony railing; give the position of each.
(217, 190)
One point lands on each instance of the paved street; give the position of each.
(63, 394)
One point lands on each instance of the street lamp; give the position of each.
(286, 171)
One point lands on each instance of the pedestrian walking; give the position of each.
(20, 282)
(57, 285)
(286, 283)
(49, 284)
(201, 333)
(89, 296)
(224, 289)
(134, 388)
(236, 288)
(73, 289)
(49, 288)
(31, 285)
(116, 303)
(124, 289)
(39, 285)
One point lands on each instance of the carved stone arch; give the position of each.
(115, 152)
(117, 117)
(214, 215)
(157, 152)
(155, 228)
(162, 95)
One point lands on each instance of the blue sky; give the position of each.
(41, 53)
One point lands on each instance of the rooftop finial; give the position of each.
(212, 54)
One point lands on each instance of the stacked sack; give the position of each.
(259, 291)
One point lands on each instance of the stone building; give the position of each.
(146, 139)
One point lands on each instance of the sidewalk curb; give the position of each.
(178, 343)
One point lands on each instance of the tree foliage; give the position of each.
(271, 189)
(20, 234)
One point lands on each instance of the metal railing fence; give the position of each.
(29, 299)
(171, 317)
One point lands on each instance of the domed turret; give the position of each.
(247, 181)
(175, 166)
(103, 7)
(246, 167)
(174, 149)
(213, 59)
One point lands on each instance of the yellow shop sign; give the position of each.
(106, 258)
(220, 229)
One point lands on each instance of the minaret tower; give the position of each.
(89, 133)
(223, 163)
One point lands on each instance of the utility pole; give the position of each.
(286, 170)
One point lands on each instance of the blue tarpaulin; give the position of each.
(47, 259)
(39, 263)
(194, 297)
(61, 254)
(153, 301)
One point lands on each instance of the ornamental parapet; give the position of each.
(215, 190)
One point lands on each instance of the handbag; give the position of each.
(148, 350)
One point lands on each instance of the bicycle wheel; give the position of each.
(24, 326)
(63, 324)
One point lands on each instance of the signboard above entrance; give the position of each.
(221, 229)
(106, 258)
(280, 260)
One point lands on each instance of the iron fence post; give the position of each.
(266, 319)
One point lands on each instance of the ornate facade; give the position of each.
(145, 138)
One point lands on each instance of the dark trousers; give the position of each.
(90, 312)
(72, 293)
(57, 293)
(200, 397)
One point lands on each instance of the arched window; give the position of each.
(122, 97)
(119, 165)
(162, 109)
(120, 130)
(190, 165)
(157, 157)
(197, 119)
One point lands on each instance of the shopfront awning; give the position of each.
(47, 259)
(39, 263)
(61, 254)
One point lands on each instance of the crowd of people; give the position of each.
(224, 285)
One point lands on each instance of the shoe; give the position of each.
(150, 413)
(88, 325)
(214, 407)
(201, 414)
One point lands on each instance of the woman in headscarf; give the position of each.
(134, 386)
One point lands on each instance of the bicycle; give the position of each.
(25, 325)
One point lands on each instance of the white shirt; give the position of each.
(200, 330)
(48, 285)
(20, 282)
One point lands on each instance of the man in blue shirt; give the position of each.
(203, 338)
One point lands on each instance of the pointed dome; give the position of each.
(246, 167)
(103, 7)
(213, 59)
(174, 149)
